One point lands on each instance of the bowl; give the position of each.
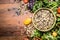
(45, 22)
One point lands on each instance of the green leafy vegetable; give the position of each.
(59, 31)
(58, 19)
(45, 3)
(58, 38)
(36, 33)
(37, 5)
(48, 37)
(58, 24)
(58, 2)
(51, 5)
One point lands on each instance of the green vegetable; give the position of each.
(58, 19)
(45, 3)
(36, 33)
(58, 2)
(58, 32)
(52, 4)
(58, 38)
(37, 5)
(48, 37)
(58, 24)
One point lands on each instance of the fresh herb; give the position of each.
(36, 33)
(58, 2)
(37, 5)
(58, 38)
(59, 32)
(51, 5)
(58, 24)
(58, 19)
(44, 4)
(48, 37)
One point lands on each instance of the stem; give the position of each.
(53, 7)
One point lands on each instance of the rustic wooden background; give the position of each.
(11, 24)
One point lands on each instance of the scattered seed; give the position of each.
(9, 9)
(18, 13)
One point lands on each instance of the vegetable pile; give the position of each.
(43, 4)
(53, 34)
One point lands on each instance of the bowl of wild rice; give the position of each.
(44, 19)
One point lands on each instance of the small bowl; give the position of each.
(52, 24)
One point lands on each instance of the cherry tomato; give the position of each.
(54, 34)
(25, 1)
(58, 10)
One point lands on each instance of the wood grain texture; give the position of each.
(6, 6)
(9, 1)
(11, 23)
